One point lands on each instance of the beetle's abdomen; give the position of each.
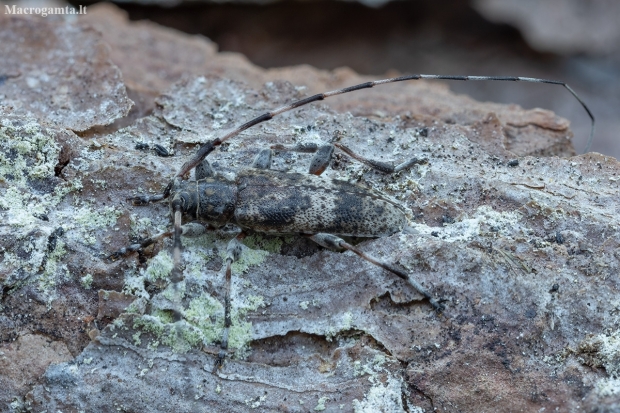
(288, 203)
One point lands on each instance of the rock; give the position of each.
(523, 254)
(23, 362)
(59, 73)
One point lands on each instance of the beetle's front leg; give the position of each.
(191, 229)
(140, 245)
(335, 243)
(141, 200)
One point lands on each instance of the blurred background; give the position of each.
(576, 41)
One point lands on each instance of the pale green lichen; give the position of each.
(320, 406)
(26, 151)
(87, 281)
(202, 320)
(174, 292)
(136, 338)
(202, 324)
(89, 218)
(343, 324)
(371, 368)
(22, 208)
(386, 398)
(117, 323)
(139, 227)
(249, 258)
(165, 316)
(347, 320)
(159, 267)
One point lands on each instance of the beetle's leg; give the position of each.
(323, 155)
(233, 251)
(385, 167)
(191, 229)
(320, 160)
(336, 243)
(263, 159)
(204, 170)
(139, 245)
(149, 199)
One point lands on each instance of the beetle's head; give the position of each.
(183, 197)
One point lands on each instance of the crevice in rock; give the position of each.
(287, 350)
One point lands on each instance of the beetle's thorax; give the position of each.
(211, 199)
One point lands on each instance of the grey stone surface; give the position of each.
(525, 255)
(60, 74)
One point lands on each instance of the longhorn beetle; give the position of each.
(268, 201)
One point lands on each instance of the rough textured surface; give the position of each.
(523, 249)
(23, 362)
(60, 74)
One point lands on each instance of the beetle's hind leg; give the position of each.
(233, 251)
(335, 243)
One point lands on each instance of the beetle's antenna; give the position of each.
(208, 147)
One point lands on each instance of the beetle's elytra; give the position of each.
(290, 203)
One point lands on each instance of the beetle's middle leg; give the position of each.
(335, 243)
(233, 251)
(323, 155)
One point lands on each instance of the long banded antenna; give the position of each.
(208, 147)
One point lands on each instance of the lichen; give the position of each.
(86, 281)
(249, 258)
(26, 151)
(90, 218)
(386, 398)
(320, 406)
(136, 338)
(602, 350)
(503, 223)
(202, 324)
(347, 319)
(159, 267)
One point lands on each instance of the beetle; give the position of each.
(262, 200)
